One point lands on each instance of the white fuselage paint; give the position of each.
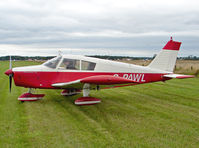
(101, 66)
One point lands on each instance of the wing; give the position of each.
(72, 84)
(95, 80)
(178, 76)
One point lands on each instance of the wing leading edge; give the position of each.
(94, 80)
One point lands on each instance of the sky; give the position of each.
(97, 27)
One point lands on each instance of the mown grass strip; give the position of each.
(150, 115)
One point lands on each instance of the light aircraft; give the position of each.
(74, 74)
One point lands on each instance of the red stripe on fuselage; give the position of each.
(46, 79)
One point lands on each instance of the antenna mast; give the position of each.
(59, 52)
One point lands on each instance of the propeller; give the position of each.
(9, 72)
(10, 82)
(10, 75)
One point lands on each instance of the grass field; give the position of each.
(150, 115)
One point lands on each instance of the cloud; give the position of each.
(115, 25)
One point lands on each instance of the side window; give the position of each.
(88, 65)
(71, 64)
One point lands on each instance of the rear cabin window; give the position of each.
(70, 64)
(53, 62)
(87, 65)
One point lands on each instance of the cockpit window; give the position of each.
(71, 64)
(53, 62)
(88, 65)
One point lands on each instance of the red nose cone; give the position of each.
(8, 72)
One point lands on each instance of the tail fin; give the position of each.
(166, 59)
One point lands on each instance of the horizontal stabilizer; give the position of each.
(178, 76)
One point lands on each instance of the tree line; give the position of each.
(44, 58)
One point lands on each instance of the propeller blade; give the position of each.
(10, 82)
(10, 67)
(10, 75)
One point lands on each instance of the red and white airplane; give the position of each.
(74, 74)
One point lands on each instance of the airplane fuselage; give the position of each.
(41, 79)
(42, 76)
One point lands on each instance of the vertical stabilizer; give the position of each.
(166, 59)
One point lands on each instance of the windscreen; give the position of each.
(53, 62)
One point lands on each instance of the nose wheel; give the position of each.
(29, 96)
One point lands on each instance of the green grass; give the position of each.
(150, 115)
